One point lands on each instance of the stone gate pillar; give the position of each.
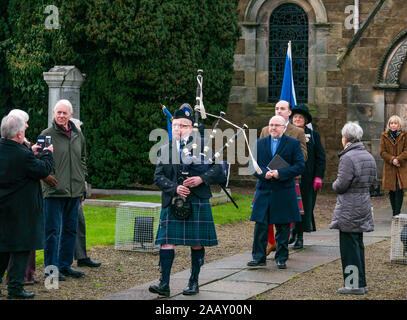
(64, 82)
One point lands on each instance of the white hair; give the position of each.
(352, 132)
(11, 125)
(64, 102)
(20, 113)
(278, 117)
(77, 123)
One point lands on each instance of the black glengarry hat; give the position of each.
(301, 109)
(183, 113)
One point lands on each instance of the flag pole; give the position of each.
(287, 89)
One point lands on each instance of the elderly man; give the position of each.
(275, 200)
(21, 211)
(283, 108)
(62, 200)
(178, 176)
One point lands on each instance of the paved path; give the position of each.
(231, 279)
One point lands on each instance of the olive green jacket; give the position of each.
(70, 162)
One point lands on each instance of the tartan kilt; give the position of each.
(299, 198)
(198, 229)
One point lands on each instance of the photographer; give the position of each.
(21, 211)
(183, 193)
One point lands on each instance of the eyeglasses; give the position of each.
(181, 126)
(276, 125)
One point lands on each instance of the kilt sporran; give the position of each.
(181, 208)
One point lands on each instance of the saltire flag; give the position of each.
(169, 121)
(288, 90)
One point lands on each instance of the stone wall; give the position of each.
(336, 93)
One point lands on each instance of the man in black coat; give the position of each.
(275, 200)
(21, 212)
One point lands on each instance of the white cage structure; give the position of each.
(398, 250)
(136, 226)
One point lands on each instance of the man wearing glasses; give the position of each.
(179, 174)
(283, 108)
(275, 200)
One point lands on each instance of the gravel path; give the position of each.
(122, 270)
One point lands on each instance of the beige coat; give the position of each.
(293, 132)
(390, 150)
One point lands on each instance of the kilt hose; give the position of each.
(271, 238)
(198, 229)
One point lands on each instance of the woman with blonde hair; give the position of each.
(393, 150)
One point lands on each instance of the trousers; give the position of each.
(17, 263)
(80, 248)
(353, 259)
(61, 222)
(260, 241)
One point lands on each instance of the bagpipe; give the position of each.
(199, 110)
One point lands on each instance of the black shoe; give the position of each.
(71, 272)
(162, 289)
(20, 294)
(256, 263)
(281, 265)
(61, 277)
(299, 244)
(88, 262)
(293, 236)
(191, 289)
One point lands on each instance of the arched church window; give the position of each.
(288, 22)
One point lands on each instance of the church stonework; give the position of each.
(352, 76)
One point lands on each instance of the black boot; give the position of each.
(399, 196)
(299, 243)
(15, 286)
(166, 259)
(392, 197)
(19, 294)
(197, 260)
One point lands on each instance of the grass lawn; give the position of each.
(140, 198)
(101, 222)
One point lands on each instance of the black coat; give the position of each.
(275, 200)
(314, 167)
(316, 163)
(168, 171)
(21, 203)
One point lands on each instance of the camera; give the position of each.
(43, 142)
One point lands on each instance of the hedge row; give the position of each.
(135, 54)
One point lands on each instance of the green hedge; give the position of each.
(135, 54)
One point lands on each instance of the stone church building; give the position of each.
(348, 65)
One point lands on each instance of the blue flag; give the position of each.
(169, 121)
(288, 90)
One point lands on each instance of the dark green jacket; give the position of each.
(70, 162)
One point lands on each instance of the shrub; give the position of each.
(135, 54)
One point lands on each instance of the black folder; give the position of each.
(277, 163)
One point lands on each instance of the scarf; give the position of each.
(394, 134)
